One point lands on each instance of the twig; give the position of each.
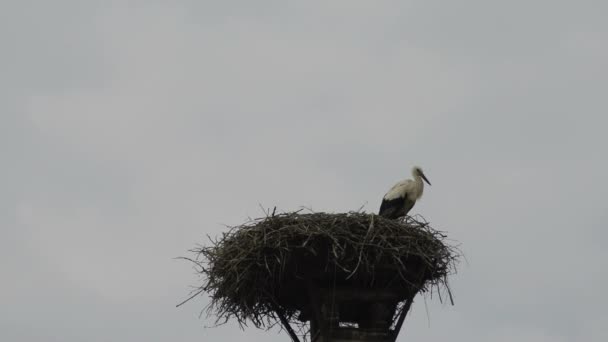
(189, 298)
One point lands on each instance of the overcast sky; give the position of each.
(131, 129)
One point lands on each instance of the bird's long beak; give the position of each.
(424, 177)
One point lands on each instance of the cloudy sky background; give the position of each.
(130, 129)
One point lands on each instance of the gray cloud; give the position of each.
(129, 132)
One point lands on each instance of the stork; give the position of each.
(400, 199)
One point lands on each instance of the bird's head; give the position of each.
(417, 172)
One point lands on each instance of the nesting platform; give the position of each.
(325, 277)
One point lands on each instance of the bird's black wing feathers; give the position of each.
(392, 208)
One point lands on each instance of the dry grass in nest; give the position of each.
(262, 266)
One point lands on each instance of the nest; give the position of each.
(261, 268)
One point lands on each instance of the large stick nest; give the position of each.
(264, 265)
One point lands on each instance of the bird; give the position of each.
(400, 199)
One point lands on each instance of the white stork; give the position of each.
(400, 199)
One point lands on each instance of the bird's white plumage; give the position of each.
(404, 188)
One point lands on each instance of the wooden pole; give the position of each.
(285, 323)
(315, 301)
(404, 310)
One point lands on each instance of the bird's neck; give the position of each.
(419, 188)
